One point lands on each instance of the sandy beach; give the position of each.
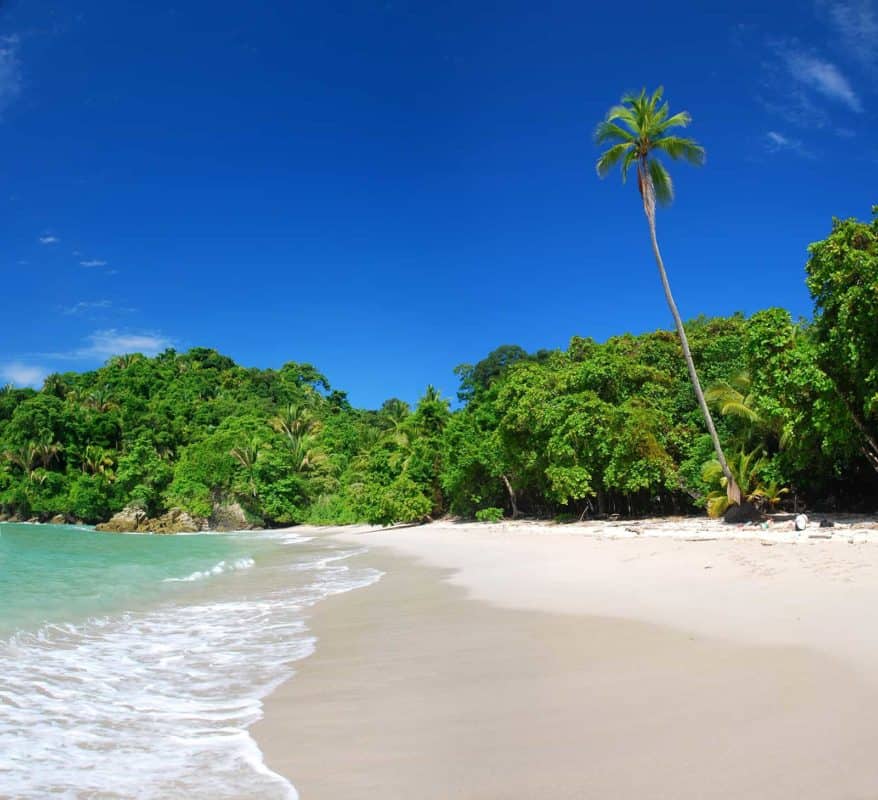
(679, 659)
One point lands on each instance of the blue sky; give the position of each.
(387, 189)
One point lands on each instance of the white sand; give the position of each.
(530, 661)
(804, 592)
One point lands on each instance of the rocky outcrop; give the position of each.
(59, 519)
(128, 520)
(135, 520)
(231, 517)
(177, 521)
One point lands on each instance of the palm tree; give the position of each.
(24, 457)
(306, 456)
(247, 455)
(47, 450)
(125, 360)
(294, 420)
(393, 413)
(637, 130)
(735, 398)
(97, 461)
(748, 470)
(54, 384)
(100, 399)
(300, 427)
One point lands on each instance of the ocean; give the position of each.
(131, 666)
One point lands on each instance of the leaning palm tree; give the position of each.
(638, 130)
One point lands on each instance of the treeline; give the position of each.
(594, 429)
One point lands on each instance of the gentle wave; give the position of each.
(158, 704)
(217, 569)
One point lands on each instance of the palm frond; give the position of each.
(679, 120)
(611, 157)
(656, 97)
(717, 504)
(608, 131)
(660, 115)
(739, 408)
(634, 100)
(712, 472)
(624, 114)
(677, 147)
(719, 392)
(661, 182)
(627, 163)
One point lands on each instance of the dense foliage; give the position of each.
(596, 428)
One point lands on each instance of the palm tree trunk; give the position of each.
(733, 491)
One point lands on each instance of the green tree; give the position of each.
(425, 428)
(843, 280)
(638, 130)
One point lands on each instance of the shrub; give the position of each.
(490, 514)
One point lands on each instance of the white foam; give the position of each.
(283, 536)
(216, 569)
(156, 704)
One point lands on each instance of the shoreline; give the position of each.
(525, 661)
(775, 528)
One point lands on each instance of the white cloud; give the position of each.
(86, 305)
(106, 343)
(22, 374)
(10, 70)
(94, 262)
(49, 239)
(856, 23)
(102, 344)
(776, 142)
(795, 106)
(822, 76)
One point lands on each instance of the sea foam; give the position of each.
(156, 704)
(217, 569)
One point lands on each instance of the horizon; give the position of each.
(277, 187)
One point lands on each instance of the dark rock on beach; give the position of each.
(741, 513)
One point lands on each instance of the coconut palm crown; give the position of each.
(637, 131)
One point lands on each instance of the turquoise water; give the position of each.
(133, 665)
(54, 573)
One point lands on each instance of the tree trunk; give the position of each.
(648, 193)
(511, 496)
(870, 449)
